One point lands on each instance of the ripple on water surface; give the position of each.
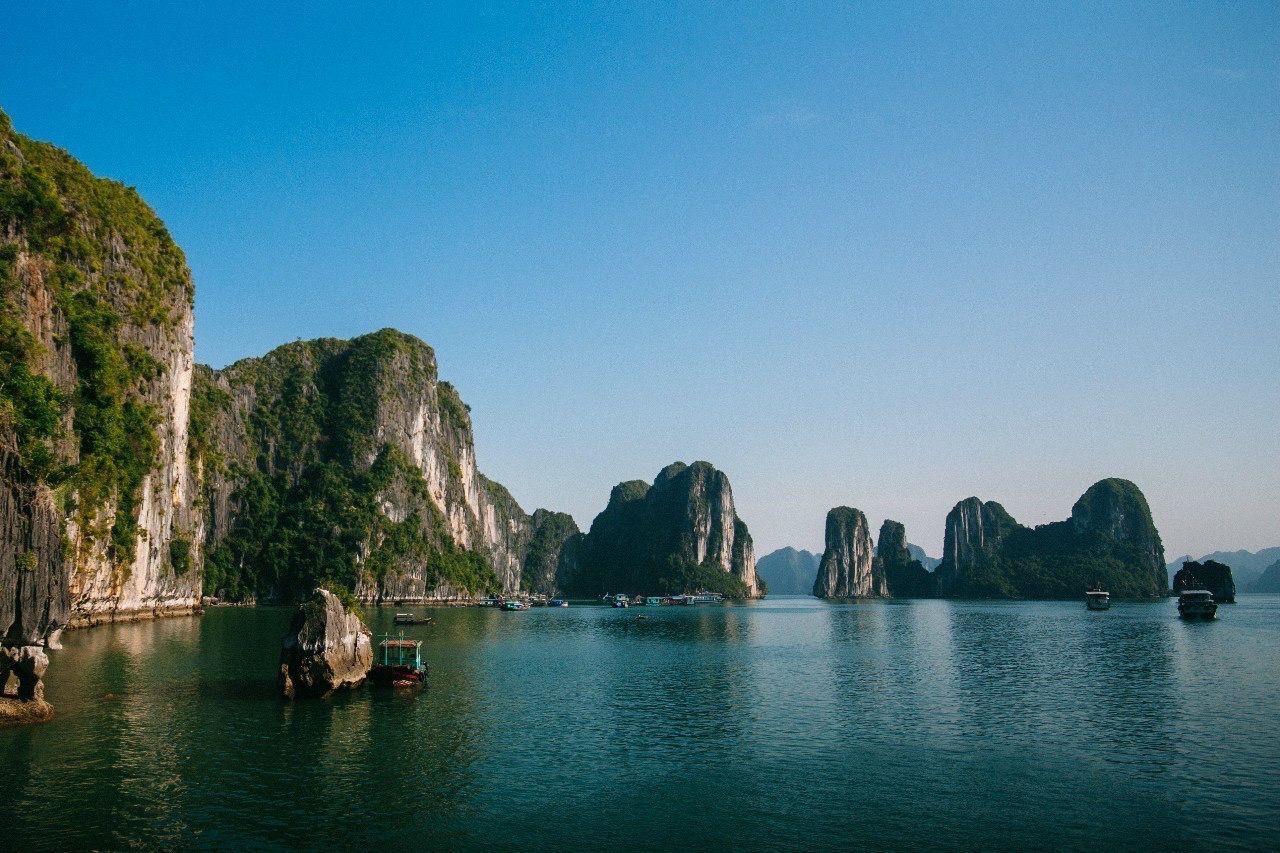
(788, 724)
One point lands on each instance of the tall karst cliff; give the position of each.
(1110, 539)
(848, 568)
(680, 534)
(904, 574)
(97, 496)
(350, 461)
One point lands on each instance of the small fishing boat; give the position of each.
(621, 601)
(1197, 604)
(514, 604)
(1097, 599)
(400, 663)
(412, 619)
(558, 602)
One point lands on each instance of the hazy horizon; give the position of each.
(886, 258)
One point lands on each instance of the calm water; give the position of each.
(786, 724)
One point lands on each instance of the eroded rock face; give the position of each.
(364, 423)
(547, 559)
(848, 568)
(904, 575)
(683, 530)
(1114, 511)
(1110, 540)
(973, 536)
(22, 671)
(96, 320)
(1210, 575)
(327, 649)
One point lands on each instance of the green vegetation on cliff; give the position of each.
(1110, 540)
(309, 504)
(108, 264)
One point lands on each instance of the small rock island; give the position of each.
(328, 648)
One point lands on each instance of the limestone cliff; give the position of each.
(1110, 540)
(848, 568)
(350, 461)
(552, 553)
(679, 534)
(905, 576)
(97, 517)
(971, 540)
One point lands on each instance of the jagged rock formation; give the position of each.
(904, 575)
(350, 461)
(22, 671)
(971, 542)
(848, 568)
(97, 518)
(1110, 539)
(1268, 581)
(679, 534)
(788, 571)
(1246, 566)
(327, 649)
(552, 553)
(1210, 575)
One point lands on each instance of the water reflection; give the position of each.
(902, 724)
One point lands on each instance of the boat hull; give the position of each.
(1199, 613)
(389, 675)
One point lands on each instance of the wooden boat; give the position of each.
(411, 619)
(1197, 604)
(514, 604)
(400, 663)
(1097, 599)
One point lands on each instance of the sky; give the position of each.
(880, 255)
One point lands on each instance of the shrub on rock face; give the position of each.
(328, 648)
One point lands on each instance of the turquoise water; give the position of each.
(788, 724)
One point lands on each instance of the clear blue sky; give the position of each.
(883, 256)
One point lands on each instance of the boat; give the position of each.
(400, 663)
(1197, 604)
(1097, 599)
(411, 619)
(514, 604)
(620, 600)
(654, 601)
(558, 602)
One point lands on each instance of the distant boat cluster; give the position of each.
(620, 599)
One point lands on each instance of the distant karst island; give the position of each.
(136, 483)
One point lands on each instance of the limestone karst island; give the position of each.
(689, 427)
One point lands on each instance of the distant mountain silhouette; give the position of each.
(788, 571)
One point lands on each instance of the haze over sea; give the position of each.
(781, 724)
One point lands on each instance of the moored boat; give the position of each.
(1097, 599)
(1197, 604)
(621, 600)
(400, 663)
(411, 619)
(514, 604)
(558, 602)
